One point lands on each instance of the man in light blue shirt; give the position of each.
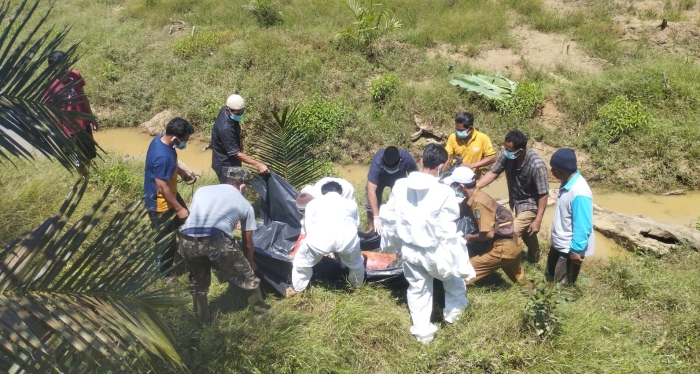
(572, 228)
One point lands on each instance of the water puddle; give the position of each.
(681, 209)
(134, 143)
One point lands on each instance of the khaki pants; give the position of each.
(505, 255)
(522, 225)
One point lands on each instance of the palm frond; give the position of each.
(69, 305)
(31, 118)
(287, 151)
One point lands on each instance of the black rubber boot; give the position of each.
(201, 307)
(256, 302)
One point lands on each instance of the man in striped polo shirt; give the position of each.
(572, 228)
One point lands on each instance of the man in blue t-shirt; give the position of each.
(388, 166)
(160, 185)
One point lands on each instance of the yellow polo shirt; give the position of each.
(473, 150)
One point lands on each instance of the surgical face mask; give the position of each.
(463, 134)
(236, 118)
(511, 155)
(458, 193)
(181, 144)
(392, 171)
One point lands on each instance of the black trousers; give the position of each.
(560, 269)
(164, 222)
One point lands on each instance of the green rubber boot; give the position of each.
(201, 307)
(256, 302)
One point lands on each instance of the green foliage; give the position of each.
(621, 276)
(381, 88)
(209, 110)
(524, 103)
(494, 88)
(123, 176)
(286, 149)
(109, 72)
(372, 21)
(540, 313)
(697, 223)
(621, 117)
(69, 305)
(322, 120)
(265, 12)
(203, 43)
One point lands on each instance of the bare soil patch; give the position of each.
(678, 37)
(551, 117)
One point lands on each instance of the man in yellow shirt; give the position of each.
(473, 146)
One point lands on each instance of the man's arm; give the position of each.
(262, 168)
(248, 248)
(484, 162)
(541, 206)
(486, 179)
(171, 198)
(372, 198)
(480, 237)
(581, 225)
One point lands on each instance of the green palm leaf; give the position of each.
(72, 305)
(30, 120)
(287, 151)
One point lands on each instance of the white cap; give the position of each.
(463, 175)
(235, 102)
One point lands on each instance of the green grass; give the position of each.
(634, 316)
(136, 68)
(637, 315)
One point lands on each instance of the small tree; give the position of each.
(372, 21)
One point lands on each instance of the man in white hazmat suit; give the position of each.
(330, 223)
(315, 190)
(419, 222)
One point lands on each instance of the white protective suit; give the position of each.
(315, 190)
(330, 223)
(418, 221)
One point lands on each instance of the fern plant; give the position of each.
(287, 151)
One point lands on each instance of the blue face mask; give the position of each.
(510, 155)
(392, 171)
(458, 193)
(463, 134)
(236, 118)
(182, 145)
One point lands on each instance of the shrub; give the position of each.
(382, 87)
(525, 102)
(109, 72)
(202, 43)
(265, 12)
(372, 21)
(620, 117)
(539, 314)
(322, 119)
(122, 175)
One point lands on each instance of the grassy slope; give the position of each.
(639, 315)
(133, 73)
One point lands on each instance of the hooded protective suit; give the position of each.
(315, 190)
(419, 222)
(330, 223)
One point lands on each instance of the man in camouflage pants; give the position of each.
(206, 241)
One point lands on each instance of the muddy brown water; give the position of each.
(681, 209)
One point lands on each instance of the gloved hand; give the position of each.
(378, 225)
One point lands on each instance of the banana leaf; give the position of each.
(495, 88)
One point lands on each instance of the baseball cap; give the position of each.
(235, 102)
(236, 174)
(462, 175)
(391, 157)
